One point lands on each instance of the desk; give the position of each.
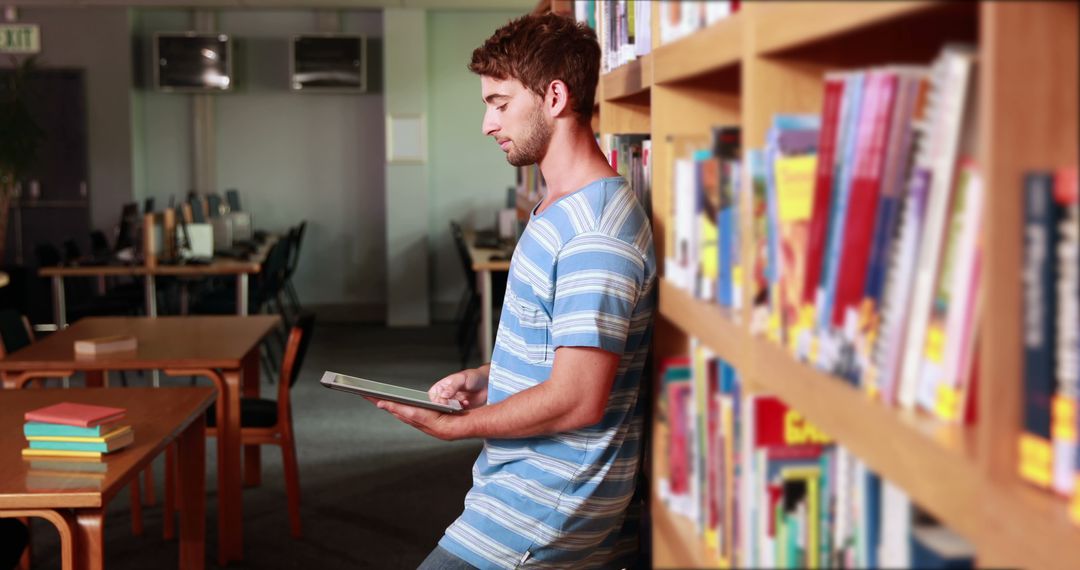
(484, 265)
(219, 266)
(222, 348)
(76, 505)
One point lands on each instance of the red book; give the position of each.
(865, 190)
(819, 218)
(72, 414)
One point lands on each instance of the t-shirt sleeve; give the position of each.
(597, 283)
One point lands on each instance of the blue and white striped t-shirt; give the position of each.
(583, 274)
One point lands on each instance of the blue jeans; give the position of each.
(441, 559)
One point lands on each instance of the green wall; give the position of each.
(467, 172)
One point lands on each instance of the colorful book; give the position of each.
(861, 213)
(1036, 455)
(73, 414)
(823, 177)
(952, 119)
(1066, 334)
(108, 444)
(122, 432)
(60, 430)
(28, 452)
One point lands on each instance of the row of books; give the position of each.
(765, 488)
(624, 27)
(631, 156)
(1051, 276)
(873, 221)
(702, 254)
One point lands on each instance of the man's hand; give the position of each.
(435, 424)
(468, 387)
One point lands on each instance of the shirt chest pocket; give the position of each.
(534, 329)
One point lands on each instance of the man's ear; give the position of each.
(557, 99)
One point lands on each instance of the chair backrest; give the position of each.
(15, 332)
(213, 204)
(271, 275)
(99, 244)
(232, 196)
(198, 214)
(295, 350)
(72, 252)
(47, 254)
(297, 235)
(463, 254)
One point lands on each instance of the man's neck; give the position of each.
(573, 161)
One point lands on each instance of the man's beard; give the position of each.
(533, 146)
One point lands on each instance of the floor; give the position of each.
(375, 493)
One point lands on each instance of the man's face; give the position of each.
(515, 118)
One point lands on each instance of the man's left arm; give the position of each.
(573, 397)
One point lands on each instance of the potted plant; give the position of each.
(19, 138)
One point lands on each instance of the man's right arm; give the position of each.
(469, 387)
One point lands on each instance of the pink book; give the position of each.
(72, 414)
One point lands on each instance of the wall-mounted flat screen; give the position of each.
(328, 63)
(189, 61)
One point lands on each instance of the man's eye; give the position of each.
(502, 107)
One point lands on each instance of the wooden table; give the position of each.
(224, 349)
(484, 262)
(76, 504)
(220, 266)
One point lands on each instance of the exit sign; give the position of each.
(20, 38)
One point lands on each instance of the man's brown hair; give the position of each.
(538, 49)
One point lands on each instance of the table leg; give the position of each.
(230, 493)
(90, 542)
(192, 451)
(136, 507)
(242, 294)
(59, 306)
(252, 453)
(485, 315)
(150, 294)
(65, 526)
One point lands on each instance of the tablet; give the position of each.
(390, 392)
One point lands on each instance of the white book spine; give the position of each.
(951, 85)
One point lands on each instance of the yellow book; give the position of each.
(58, 453)
(103, 439)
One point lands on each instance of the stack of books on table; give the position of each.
(75, 431)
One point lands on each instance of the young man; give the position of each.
(558, 405)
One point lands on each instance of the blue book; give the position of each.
(845, 160)
(58, 430)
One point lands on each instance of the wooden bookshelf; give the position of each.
(629, 81)
(713, 49)
(769, 58)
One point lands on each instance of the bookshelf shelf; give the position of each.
(1027, 527)
(769, 58)
(707, 322)
(897, 444)
(630, 81)
(781, 26)
(713, 49)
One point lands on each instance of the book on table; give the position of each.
(73, 414)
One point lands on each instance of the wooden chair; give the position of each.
(269, 422)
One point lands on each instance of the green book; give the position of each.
(58, 430)
(108, 444)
